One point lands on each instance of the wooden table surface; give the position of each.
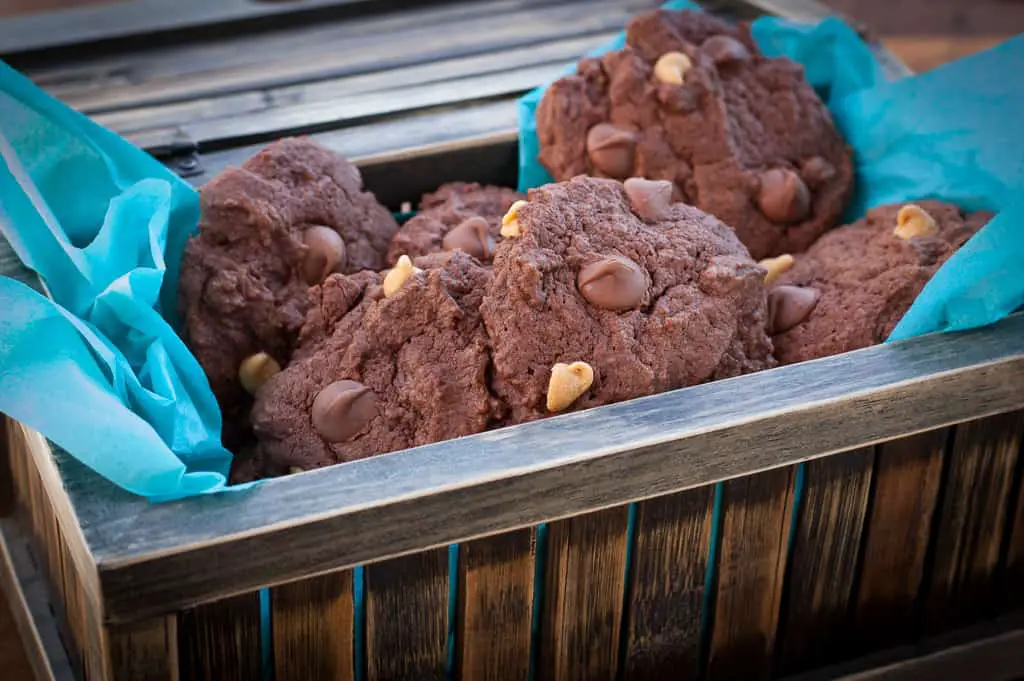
(923, 33)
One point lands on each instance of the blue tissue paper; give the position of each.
(97, 368)
(951, 134)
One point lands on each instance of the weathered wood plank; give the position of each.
(407, 617)
(493, 482)
(669, 571)
(756, 522)
(823, 563)
(313, 629)
(979, 475)
(495, 607)
(221, 641)
(584, 585)
(144, 651)
(908, 472)
(1013, 576)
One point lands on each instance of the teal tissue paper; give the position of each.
(97, 368)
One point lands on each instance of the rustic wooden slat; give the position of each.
(756, 522)
(979, 475)
(906, 487)
(144, 651)
(313, 629)
(823, 562)
(73, 621)
(7, 485)
(669, 570)
(221, 641)
(407, 617)
(452, 491)
(1012, 597)
(495, 607)
(584, 584)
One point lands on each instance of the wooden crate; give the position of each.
(767, 526)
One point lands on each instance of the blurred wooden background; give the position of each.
(923, 33)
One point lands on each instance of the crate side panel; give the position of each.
(823, 565)
(220, 641)
(978, 480)
(407, 617)
(668, 584)
(755, 529)
(907, 475)
(144, 651)
(584, 581)
(495, 607)
(312, 623)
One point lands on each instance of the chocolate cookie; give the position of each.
(387, 361)
(604, 292)
(853, 286)
(459, 215)
(284, 220)
(692, 100)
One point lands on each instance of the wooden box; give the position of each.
(864, 509)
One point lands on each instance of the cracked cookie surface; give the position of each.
(650, 303)
(375, 374)
(692, 100)
(864, 278)
(284, 219)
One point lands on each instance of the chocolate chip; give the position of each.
(725, 50)
(789, 306)
(613, 283)
(611, 150)
(816, 171)
(342, 410)
(650, 199)
(472, 236)
(783, 197)
(325, 255)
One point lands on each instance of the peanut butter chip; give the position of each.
(650, 199)
(472, 236)
(567, 383)
(342, 410)
(671, 67)
(776, 266)
(725, 50)
(395, 279)
(783, 197)
(912, 221)
(612, 283)
(789, 306)
(256, 370)
(611, 150)
(325, 254)
(510, 228)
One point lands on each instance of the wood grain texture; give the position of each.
(969, 536)
(1013, 577)
(669, 571)
(385, 506)
(313, 622)
(144, 651)
(495, 607)
(221, 641)
(908, 472)
(822, 570)
(407, 617)
(584, 583)
(755, 526)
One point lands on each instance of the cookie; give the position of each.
(459, 215)
(387, 361)
(853, 286)
(612, 292)
(692, 100)
(284, 220)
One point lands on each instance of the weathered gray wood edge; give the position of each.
(162, 557)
